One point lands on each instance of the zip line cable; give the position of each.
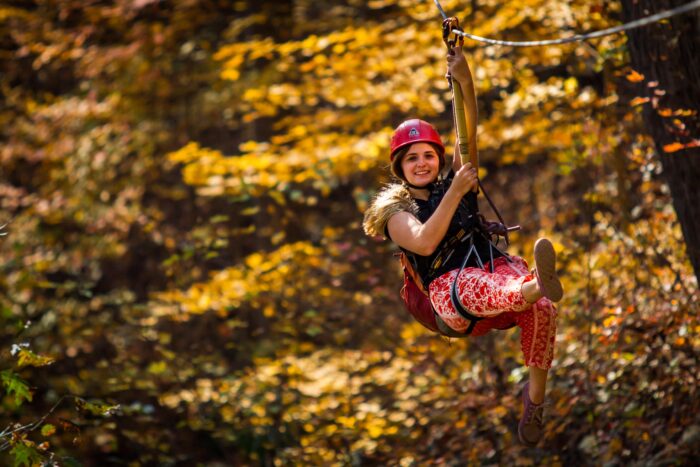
(581, 37)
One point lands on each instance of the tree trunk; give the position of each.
(669, 53)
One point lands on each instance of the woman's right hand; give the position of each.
(457, 66)
(465, 180)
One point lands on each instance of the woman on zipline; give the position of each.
(431, 217)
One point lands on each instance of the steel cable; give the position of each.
(581, 37)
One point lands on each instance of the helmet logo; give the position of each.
(413, 133)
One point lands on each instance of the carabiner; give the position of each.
(448, 27)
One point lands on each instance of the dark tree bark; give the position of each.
(669, 53)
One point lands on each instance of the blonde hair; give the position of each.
(392, 199)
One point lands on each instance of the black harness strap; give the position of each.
(454, 296)
(472, 223)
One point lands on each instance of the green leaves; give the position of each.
(15, 386)
(25, 454)
(96, 408)
(48, 430)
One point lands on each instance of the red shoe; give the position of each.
(531, 426)
(546, 270)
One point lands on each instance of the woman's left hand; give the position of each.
(457, 65)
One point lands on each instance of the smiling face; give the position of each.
(421, 164)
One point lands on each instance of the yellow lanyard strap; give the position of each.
(448, 27)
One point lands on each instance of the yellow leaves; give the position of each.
(253, 146)
(277, 196)
(230, 74)
(499, 412)
(9, 13)
(157, 368)
(283, 95)
(261, 273)
(48, 430)
(296, 132)
(376, 427)
(571, 86)
(335, 43)
(231, 71)
(254, 94)
(346, 422)
(193, 152)
(611, 321)
(378, 4)
(254, 260)
(363, 298)
(266, 302)
(291, 158)
(412, 330)
(28, 358)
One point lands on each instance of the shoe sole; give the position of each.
(546, 271)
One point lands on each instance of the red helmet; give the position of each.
(415, 131)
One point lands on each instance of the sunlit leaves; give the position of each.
(28, 358)
(319, 163)
(260, 274)
(186, 182)
(364, 399)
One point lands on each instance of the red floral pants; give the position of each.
(497, 298)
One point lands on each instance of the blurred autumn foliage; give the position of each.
(183, 275)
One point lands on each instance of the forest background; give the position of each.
(183, 275)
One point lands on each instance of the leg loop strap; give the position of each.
(454, 295)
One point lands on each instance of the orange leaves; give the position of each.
(634, 77)
(675, 147)
(638, 101)
(684, 112)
